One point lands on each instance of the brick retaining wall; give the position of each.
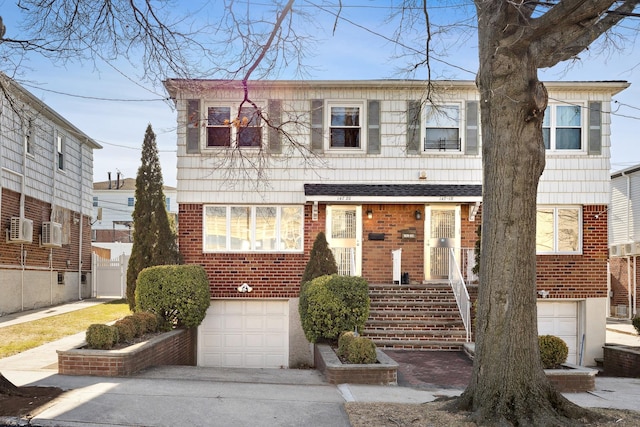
(622, 361)
(172, 348)
(385, 372)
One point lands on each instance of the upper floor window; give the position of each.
(130, 201)
(95, 200)
(168, 203)
(559, 230)
(345, 126)
(60, 151)
(562, 127)
(227, 128)
(253, 228)
(442, 128)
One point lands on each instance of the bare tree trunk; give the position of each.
(8, 388)
(508, 385)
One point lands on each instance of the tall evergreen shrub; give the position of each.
(154, 240)
(321, 260)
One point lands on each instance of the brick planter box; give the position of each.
(621, 361)
(572, 379)
(172, 348)
(385, 372)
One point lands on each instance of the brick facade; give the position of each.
(622, 277)
(38, 257)
(579, 276)
(277, 275)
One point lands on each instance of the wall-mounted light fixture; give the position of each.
(369, 213)
(418, 215)
(244, 288)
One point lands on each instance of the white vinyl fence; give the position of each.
(110, 276)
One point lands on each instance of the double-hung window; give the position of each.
(228, 126)
(559, 230)
(442, 128)
(562, 127)
(253, 228)
(345, 125)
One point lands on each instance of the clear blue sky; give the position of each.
(113, 108)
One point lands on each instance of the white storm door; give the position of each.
(442, 232)
(344, 235)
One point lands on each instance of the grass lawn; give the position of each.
(24, 336)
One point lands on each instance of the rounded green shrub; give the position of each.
(101, 337)
(148, 320)
(177, 294)
(332, 304)
(126, 330)
(138, 325)
(553, 351)
(361, 350)
(636, 323)
(343, 343)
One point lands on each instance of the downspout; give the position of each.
(81, 224)
(23, 185)
(633, 311)
(629, 299)
(629, 282)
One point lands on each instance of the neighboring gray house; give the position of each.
(624, 241)
(46, 170)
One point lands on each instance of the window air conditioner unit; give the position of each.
(635, 248)
(615, 250)
(51, 235)
(21, 230)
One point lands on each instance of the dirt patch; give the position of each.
(432, 414)
(33, 401)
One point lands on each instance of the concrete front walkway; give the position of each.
(196, 396)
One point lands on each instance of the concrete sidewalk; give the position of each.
(196, 396)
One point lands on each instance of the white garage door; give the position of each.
(245, 334)
(560, 319)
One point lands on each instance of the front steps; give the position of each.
(419, 317)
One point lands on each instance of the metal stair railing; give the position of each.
(456, 280)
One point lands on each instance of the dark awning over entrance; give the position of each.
(399, 193)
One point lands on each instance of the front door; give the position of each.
(344, 235)
(442, 233)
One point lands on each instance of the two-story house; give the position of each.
(113, 204)
(395, 182)
(46, 170)
(624, 241)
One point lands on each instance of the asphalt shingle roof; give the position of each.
(393, 190)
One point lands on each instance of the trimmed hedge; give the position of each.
(553, 351)
(126, 330)
(177, 294)
(101, 337)
(361, 350)
(636, 323)
(332, 304)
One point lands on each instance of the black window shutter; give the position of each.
(193, 126)
(275, 121)
(595, 128)
(413, 127)
(471, 135)
(317, 125)
(373, 127)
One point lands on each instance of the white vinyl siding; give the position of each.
(570, 177)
